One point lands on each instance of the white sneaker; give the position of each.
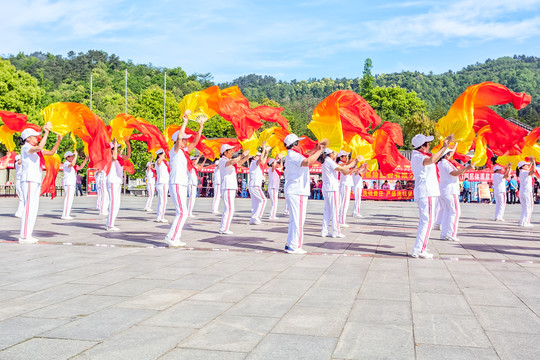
(323, 234)
(17, 216)
(104, 214)
(357, 216)
(114, 228)
(299, 251)
(527, 225)
(423, 255)
(252, 222)
(228, 232)
(344, 225)
(191, 215)
(338, 236)
(216, 213)
(451, 238)
(31, 240)
(174, 243)
(66, 218)
(272, 218)
(500, 220)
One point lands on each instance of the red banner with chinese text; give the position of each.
(371, 194)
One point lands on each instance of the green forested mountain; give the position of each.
(28, 83)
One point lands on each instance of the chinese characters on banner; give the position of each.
(91, 187)
(370, 194)
(477, 176)
(376, 175)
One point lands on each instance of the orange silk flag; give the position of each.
(215, 145)
(272, 114)
(384, 147)
(52, 166)
(13, 122)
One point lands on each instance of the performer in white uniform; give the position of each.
(151, 178)
(193, 184)
(357, 188)
(525, 173)
(330, 171)
(256, 175)
(297, 190)
(274, 177)
(69, 181)
(114, 183)
(500, 176)
(217, 188)
(449, 198)
(18, 188)
(162, 185)
(180, 167)
(103, 193)
(229, 184)
(345, 185)
(31, 159)
(426, 189)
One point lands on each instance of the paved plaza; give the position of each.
(85, 293)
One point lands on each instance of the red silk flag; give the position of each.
(13, 122)
(273, 114)
(96, 137)
(384, 147)
(52, 166)
(215, 145)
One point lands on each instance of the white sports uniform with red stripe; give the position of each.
(30, 187)
(217, 190)
(449, 199)
(18, 189)
(258, 199)
(296, 195)
(150, 187)
(229, 185)
(499, 192)
(69, 182)
(330, 190)
(193, 183)
(162, 187)
(178, 183)
(525, 197)
(103, 193)
(357, 189)
(426, 191)
(345, 185)
(114, 187)
(273, 191)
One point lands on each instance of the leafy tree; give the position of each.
(417, 124)
(19, 91)
(368, 79)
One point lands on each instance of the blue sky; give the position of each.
(285, 39)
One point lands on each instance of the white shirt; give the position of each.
(18, 171)
(70, 175)
(499, 183)
(217, 176)
(525, 182)
(162, 173)
(425, 177)
(31, 165)
(273, 179)
(448, 184)
(115, 174)
(346, 180)
(228, 175)
(357, 181)
(179, 171)
(296, 175)
(330, 175)
(255, 174)
(150, 177)
(193, 178)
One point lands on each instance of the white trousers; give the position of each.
(274, 196)
(163, 193)
(258, 202)
(150, 188)
(99, 197)
(451, 212)
(357, 201)
(426, 212)
(30, 194)
(20, 208)
(330, 214)
(68, 199)
(178, 195)
(228, 210)
(105, 199)
(345, 192)
(500, 205)
(439, 212)
(526, 200)
(297, 205)
(217, 197)
(192, 198)
(114, 191)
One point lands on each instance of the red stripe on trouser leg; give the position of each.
(274, 204)
(66, 201)
(179, 200)
(530, 209)
(163, 202)
(300, 222)
(430, 216)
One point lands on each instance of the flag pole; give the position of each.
(91, 91)
(164, 100)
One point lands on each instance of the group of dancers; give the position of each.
(436, 186)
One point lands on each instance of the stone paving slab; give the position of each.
(84, 293)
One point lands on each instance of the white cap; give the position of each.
(342, 153)
(29, 132)
(175, 136)
(291, 139)
(448, 150)
(160, 151)
(497, 167)
(521, 163)
(258, 153)
(270, 161)
(68, 153)
(17, 157)
(225, 147)
(420, 139)
(148, 164)
(216, 162)
(328, 151)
